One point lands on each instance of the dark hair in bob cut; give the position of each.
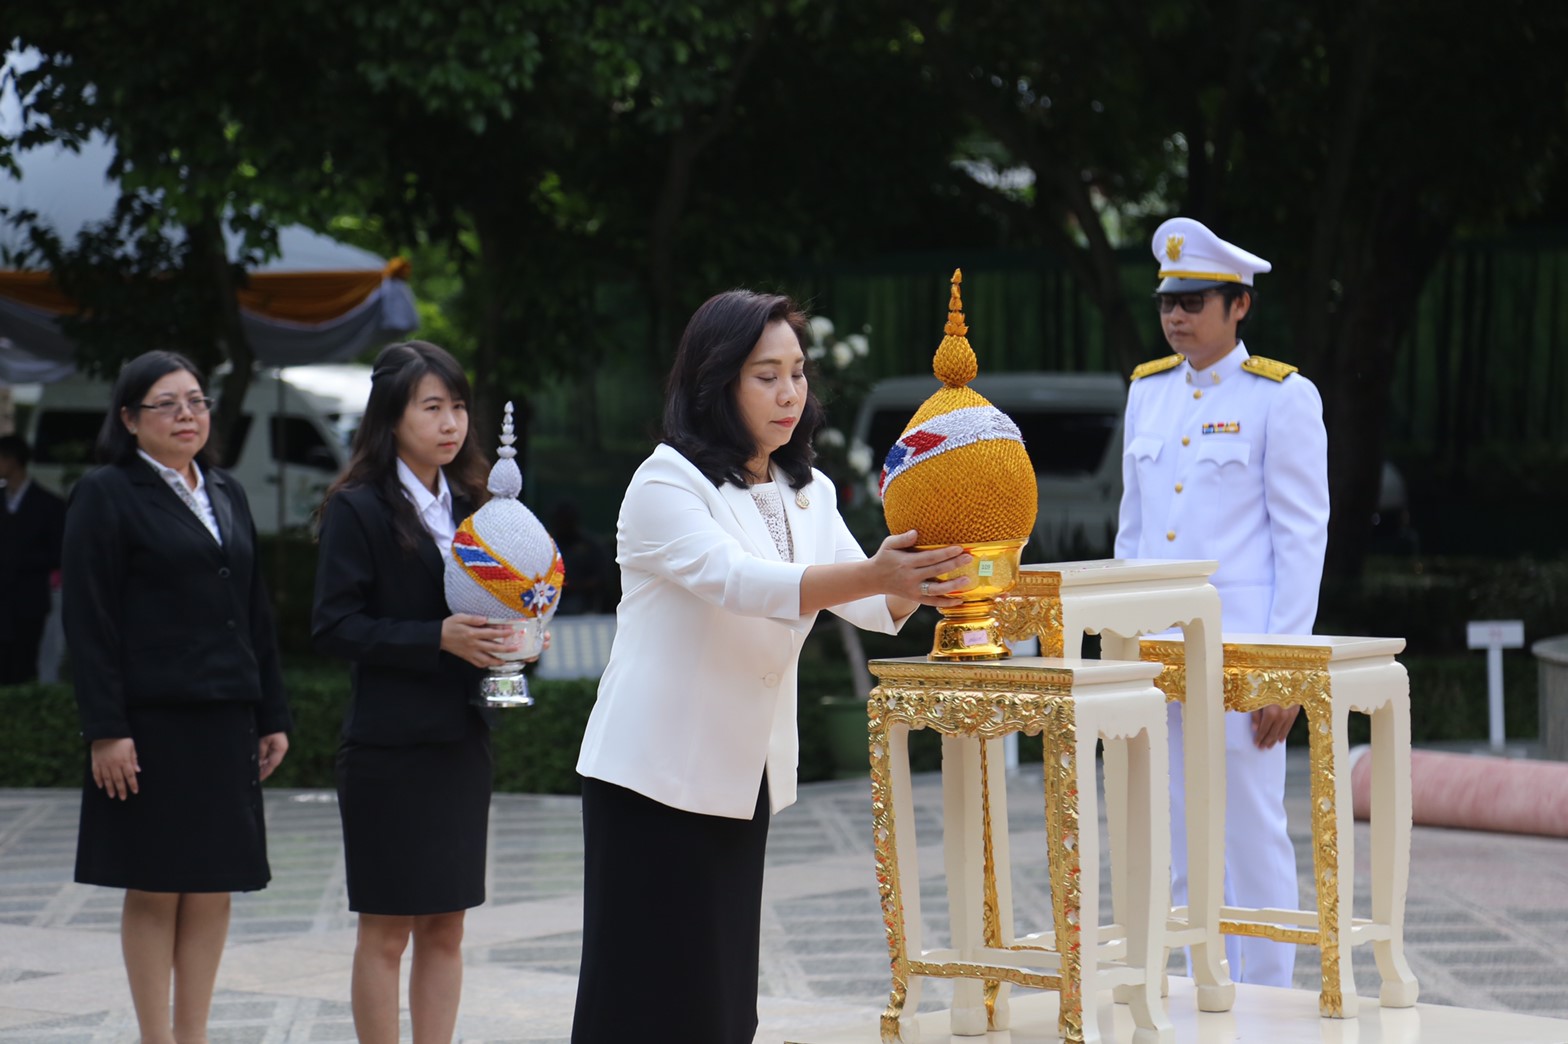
(701, 418)
(116, 445)
(372, 461)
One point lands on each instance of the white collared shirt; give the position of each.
(195, 499)
(1224, 464)
(13, 497)
(434, 509)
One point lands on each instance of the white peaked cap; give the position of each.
(1193, 258)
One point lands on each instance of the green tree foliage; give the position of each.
(1346, 142)
(555, 162)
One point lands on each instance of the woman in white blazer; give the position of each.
(729, 544)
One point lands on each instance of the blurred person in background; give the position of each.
(32, 524)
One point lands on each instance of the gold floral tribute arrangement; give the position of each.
(959, 474)
(505, 567)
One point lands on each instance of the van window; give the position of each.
(66, 436)
(296, 442)
(1060, 443)
(344, 425)
(1066, 443)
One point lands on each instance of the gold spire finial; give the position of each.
(955, 308)
(955, 364)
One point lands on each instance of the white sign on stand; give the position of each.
(1494, 636)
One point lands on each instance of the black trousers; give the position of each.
(672, 912)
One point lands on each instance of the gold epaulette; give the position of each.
(1158, 365)
(1273, 369)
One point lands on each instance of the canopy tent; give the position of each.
(318, 301)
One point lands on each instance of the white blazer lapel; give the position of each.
(750, 520)
(805, 514)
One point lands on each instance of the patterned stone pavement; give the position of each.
(1487, 921)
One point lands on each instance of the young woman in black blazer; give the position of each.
(175, 667)
(414, 767)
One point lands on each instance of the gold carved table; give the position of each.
(1120, 599)
(1069, 704)
(1330, 676)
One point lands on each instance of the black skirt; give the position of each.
(694, 882)
(196, 824)
(416, 822)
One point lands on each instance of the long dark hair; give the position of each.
(373, 461)
(701, 419)
(115, 444)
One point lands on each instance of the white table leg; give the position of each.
(1115, 647)
(1147, 879)
(1203, 727)
(962, 850)
(1391, 814)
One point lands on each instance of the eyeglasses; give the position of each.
(171, 407)
(1192, 304)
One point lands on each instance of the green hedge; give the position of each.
(1425, 602)
(535, 749)
(41, 744)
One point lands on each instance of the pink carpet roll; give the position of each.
(1473, 792)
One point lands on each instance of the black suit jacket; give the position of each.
(155, 610)
(380, 606)
(29, 552)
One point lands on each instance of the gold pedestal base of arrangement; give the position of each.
(971, 631)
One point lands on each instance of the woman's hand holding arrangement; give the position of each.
(473, 638)
(913, 574)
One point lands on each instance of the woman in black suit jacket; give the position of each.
(175, 667)
(414, 766)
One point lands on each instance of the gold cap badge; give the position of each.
(1173, 246)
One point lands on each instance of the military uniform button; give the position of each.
(1185, 441)
(1171, 535)
(1178, 487)
(223, 571)
(1198, 394)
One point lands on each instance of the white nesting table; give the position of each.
(1121, 599)
(1070, 704)
(1329, 676)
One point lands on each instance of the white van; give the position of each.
(1072, 428)
(308, 418)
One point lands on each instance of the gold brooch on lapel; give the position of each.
(801, 500)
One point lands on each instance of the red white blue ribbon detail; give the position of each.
(946, 431)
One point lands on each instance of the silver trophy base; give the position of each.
(505, 687)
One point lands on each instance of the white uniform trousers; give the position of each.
(1260, 862)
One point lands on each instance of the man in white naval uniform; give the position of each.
(1225, 457)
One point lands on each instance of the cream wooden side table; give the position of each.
(1330, 676)
(1069, 704)
(1121, 599)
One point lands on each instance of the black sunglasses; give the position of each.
(1192, 304)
